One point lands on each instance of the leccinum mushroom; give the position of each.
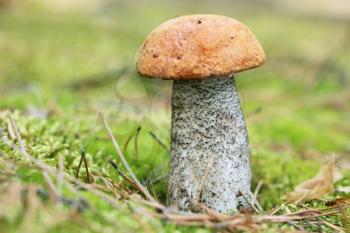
(209, 143)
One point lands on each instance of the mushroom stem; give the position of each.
(209, 150)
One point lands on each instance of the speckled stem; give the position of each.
(208, 136)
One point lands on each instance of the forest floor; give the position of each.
(60, 71)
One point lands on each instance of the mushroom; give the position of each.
(209, 142)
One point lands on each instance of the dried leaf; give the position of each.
(316, 187)
(338, 202)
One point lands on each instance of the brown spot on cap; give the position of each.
(206, 51)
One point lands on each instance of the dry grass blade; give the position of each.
(136, 142)
(256, 203)
(83, 159)
(17, 135)
(156, 138)
(125, 163)
(135, 133)
(130, 181)
(86, 167)
(334, 227)
(251, 204)
(10, 130)
(274, 210)
(127, 141)
(257, 189)
(287, 218)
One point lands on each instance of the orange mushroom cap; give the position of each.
(199, 47)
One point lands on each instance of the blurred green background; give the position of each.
(78, 54)
(63, 61)
(79, 57)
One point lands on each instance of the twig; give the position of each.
(80, 163)
(86, 166)
(83, 159)
(162, 144)
(156, 205)
(129, 180)
(60, 174)
(125, 163)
